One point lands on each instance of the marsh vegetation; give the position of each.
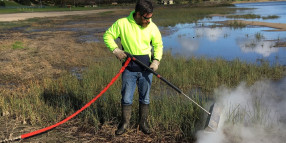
(40, 89)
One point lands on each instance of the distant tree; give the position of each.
(35, 1)
(127, 1)
(63, 3)
(2, 3)
(24, 2)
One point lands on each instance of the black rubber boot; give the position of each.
(143, 115)
(125, 119)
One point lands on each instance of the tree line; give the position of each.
(78, 3)
(70, 2)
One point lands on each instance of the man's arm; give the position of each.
(109, 36)
(157, 43)
(158, 49)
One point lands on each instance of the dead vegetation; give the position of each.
(55, 47)
(47, 49)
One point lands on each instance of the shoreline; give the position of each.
(255, 1)
(277, 26)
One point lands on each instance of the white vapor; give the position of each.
(252, 114)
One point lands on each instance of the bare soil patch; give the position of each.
(71, 133)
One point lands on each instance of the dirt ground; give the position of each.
(70, 133)
(61, 42)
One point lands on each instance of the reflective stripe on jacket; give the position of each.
(134, 38)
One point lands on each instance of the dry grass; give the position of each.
(44, 55)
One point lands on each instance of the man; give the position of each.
(137, 33)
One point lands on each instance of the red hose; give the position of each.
(84, 107)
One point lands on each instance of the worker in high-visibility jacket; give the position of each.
(141, 38)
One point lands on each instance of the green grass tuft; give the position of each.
(17, 45)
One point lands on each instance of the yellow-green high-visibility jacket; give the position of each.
(134, 38)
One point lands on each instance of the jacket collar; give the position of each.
(130, 17)
(132, 20)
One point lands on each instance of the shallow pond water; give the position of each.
(253, 44)
(265, 9)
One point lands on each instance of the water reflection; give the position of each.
(264, 48)
(188, 45)
(212, 34)
(248, 44)
(266, 9)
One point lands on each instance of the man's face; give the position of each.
(144, 19)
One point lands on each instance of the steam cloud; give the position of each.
(252, 114)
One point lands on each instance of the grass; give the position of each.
(22, 9)
(235, 24)
(252, 16)
(36, 22)
(258, 36)
(165, 16)
(17, 45)
(255, 113)
(245, 16)
(13, 7)
(14, 24)
(52, 100)
(270, 17)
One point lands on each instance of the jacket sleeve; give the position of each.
(110, 35)
(157, 43)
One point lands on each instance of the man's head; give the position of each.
(143, 12)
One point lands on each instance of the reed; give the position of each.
(255, 113)
(245, 16)
(236, 24)
(270, 17)
(52, 100)
(252, 16)
(258, 36)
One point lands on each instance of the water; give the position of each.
(252, 44)
(266, 9)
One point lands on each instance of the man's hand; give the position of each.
(119, 54)
(155, 64)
